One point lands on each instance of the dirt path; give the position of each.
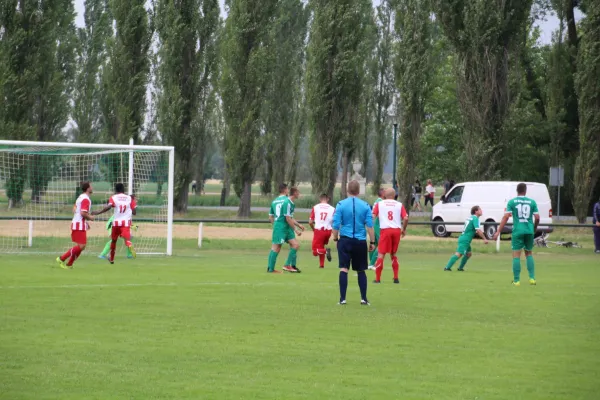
(180, 231)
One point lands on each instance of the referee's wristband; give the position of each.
(372, 242)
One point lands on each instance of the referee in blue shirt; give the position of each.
(351, 222)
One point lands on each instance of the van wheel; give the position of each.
(490, 230)
(439, 230)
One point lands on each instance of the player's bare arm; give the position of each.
(311, 223)
(536, 222)
(105, 209)
(335, 234)
(271, 219)
(480, 233)
(404, 226)
(502, 223)
(87, 216)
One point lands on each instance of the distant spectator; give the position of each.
(447, 186)
(597, 226)
(430, 193)
(194, 187)
(418, 190)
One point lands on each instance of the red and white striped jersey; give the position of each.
(322, 214)
(83, 203)
(123, 205)
(390, 213)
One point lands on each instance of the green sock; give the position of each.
(129, 252)
(106, 249)
(291, 260)
(452, 260)
(373, 257)
(517, 269)
(530, 267)
(272, 260)
(463, 262)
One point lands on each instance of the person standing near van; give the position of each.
(472, 228)
(418, 192)
(597, 226)
(526, 218)
(430, 190)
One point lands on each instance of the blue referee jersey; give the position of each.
(351, 216)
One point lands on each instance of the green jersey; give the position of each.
(376, 223)
(470, 228)
(282, 207)
(522, 210)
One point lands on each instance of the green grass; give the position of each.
(210, 324)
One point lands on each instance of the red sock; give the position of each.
(75, 252)
(113, 247)
(378, 268)
(395, 266)
(321, 260)
(67, 254)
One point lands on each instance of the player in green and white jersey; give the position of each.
(281, 216)
(472, 228)
(526, 218)
(377, 229)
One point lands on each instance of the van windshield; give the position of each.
(455, 194)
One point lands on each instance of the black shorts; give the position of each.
(353, 252)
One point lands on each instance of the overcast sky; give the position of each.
(548, 26)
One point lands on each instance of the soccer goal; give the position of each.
(40, 181)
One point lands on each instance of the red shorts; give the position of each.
(121, 231)
(320, 239)
(79, 237)
(389, 240)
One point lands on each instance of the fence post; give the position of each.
(200, 228)
(30, 235)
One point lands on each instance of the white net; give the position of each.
(39, 186)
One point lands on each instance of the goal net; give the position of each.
(40, 181)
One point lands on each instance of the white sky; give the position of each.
(547, 27)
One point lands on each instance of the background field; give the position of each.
(211, 324)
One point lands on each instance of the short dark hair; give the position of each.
(120, 188)
(282, 187)
(85, 186)
(294, 190)
(354, 188)
(324, 196)
(521, 188)
(474, 209)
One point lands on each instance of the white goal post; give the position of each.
(39, 184)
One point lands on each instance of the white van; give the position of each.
(492, 197)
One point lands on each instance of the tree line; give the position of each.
(475, 94)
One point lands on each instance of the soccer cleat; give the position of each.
(461, 269)
(296, 269)
(376, 281)
(102, 256)
(328, 254)
(447, 269)
(516, 283)
(396, 281)
(342, 303)
(288, 268)
(320, 266)
(371, 267)
(132, 250)
(62, 264)
(364, 303)
(532, 282)
(274, 272)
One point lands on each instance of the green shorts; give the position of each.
(464, 247)
(283, 235)
(520, 242)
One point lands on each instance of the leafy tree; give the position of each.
(484, 34)
(243, 86)
(587, 168)
(187, 60)
(287, 36)
(91, 55)
(383, 89)
(37, 52)
(334, 82)
(413, 65)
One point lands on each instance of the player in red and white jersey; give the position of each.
(321, 219)
(79, 226)
(124, 207)
(393, 220)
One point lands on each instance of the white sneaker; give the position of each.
(342, 303)
(372, 267)
(364, 303)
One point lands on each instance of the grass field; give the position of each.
(211, 324)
